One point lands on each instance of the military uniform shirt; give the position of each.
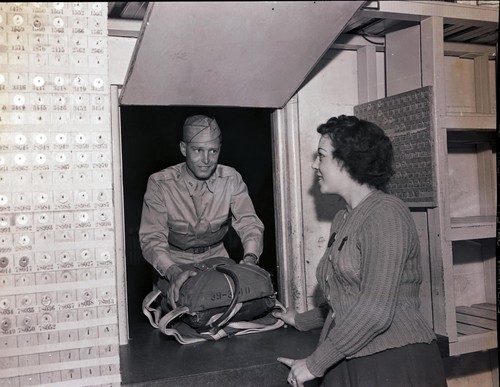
(169, 216)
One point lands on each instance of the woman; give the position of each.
(373, 333)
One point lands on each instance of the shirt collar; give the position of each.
(192, 182)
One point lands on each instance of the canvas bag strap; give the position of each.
(153, 314)
(214, 327)
(242, 328)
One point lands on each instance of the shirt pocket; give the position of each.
(217, 224)
(178, 227)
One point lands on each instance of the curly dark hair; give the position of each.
(362, 147)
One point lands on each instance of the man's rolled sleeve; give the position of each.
(253, 246)
(153, 232)
(246, 222)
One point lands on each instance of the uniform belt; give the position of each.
(195, 250)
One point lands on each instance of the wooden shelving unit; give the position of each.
(462, 225)
(459, 213)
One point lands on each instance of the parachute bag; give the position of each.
(223, 299)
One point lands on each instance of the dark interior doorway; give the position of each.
(150, 142)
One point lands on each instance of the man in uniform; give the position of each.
(188, 208)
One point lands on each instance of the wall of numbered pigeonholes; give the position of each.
(58, 309)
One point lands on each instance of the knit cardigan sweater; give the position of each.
(370, 276)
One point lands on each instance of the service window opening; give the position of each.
(150, 138)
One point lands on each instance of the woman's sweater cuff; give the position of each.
(319, 361)
(307, 321)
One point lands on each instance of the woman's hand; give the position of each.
(299, 373)
(288, 317)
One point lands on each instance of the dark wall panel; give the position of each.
(150, 142)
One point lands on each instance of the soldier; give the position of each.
(189, 207)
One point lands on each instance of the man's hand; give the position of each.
(249, 259)
(176, 278)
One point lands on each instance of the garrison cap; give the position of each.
(200, 129)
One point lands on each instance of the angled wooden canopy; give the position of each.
(247, 54)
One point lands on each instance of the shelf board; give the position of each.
(478, 312)
(476, 328)
(472, 227)
(464, 121)
(486, 306)
(474, 343)
(476, 321)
